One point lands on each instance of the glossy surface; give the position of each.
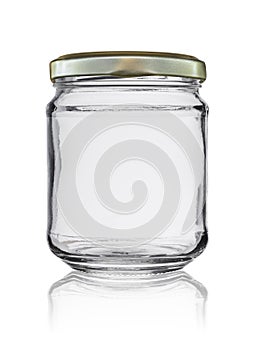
(127, 64)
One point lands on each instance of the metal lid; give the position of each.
(127, 64)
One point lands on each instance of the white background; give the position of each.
(227, 35)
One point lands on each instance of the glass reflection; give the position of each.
(85, 301)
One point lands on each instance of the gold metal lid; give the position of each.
(127, 64)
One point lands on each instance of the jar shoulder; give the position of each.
(97, 99)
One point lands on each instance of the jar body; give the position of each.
(127, 173)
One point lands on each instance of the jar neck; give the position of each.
(152, 82)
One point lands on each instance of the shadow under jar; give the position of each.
(127, 161)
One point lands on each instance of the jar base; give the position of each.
(137, 266)
(130, 265)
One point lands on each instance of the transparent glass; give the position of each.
(127, 173)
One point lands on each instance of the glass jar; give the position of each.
(127, 161)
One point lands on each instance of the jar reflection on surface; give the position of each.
(84, 301)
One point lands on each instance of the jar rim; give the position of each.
(127, 64)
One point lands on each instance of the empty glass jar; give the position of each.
(127, 161)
